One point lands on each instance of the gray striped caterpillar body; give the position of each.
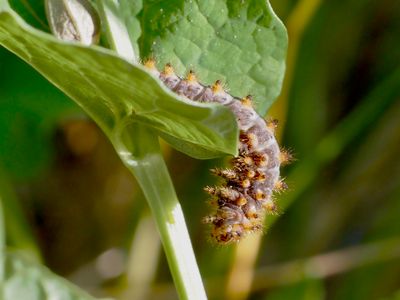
(246, 194)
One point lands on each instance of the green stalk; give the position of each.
(140, 151)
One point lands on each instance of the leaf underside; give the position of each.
(114, 92)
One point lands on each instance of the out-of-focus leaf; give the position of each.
(331, 85)
(28, 281)
(114, 92)
(366, 187)
(241, 42)
(305, 290)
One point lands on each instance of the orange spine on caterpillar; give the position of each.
(246, 194)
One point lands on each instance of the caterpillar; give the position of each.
(246, 193)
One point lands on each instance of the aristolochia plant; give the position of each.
(241, 43)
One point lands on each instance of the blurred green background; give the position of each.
(338, 236)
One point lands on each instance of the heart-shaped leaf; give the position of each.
(242, 43)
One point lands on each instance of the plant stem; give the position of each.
(139, 149)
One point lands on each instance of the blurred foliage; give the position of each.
(25, 280)
(30, 110)
(343, 124)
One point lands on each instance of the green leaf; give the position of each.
(114, 92)
(241, 42)
(27, 281)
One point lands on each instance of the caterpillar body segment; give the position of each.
(247, 191)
